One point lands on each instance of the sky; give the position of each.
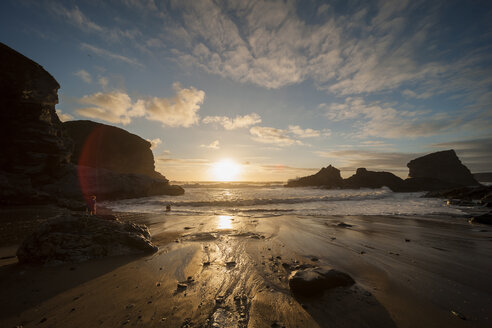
(281, 88)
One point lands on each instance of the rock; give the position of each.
(484, 218)
(108, 147)
(328, 177)
(483, 177)
(313, 281)
(34, 145)
(442, 165)
(77, 238)
(481, 193)
(370, 179)
(81, 182)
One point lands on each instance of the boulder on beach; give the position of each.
(484, 218)
(311, 282)
(328, 177)
(443, 165)
(78, 238)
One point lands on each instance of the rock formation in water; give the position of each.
(370, 179)
(444, 166)
(33, 145)
(437, 171)
(35, 149)
(328, 177)
(108, 147)
(78, 238)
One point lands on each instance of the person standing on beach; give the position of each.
(92, 205)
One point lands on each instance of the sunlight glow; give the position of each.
(226, 170)
(225, 222)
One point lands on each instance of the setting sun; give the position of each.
(226, 170)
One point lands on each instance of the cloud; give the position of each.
(235, 123)
(84, 75)
(118, 107)
(271, 135)
(103, 82)
(308, 133)
(76, 17)
(154, 143)
(377, 119)
(110, 55)
(180, 110)
(63, 116)
(212, 145)
(114, 107)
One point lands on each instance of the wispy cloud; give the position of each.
(84, 75)
(118, 107)
(233, 123)
(76, 17)
(308, 133)
(212, 145)
(271, 135)
(110, 55)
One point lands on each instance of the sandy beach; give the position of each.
(225, 271)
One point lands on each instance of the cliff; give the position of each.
(108, 147)
(35, 149)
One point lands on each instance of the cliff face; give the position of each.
(35, 149)
(444, 166)
(370, 179)
(107, 147)
(33, 143)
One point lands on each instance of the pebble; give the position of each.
(457, 314)
(43, 320)
(158, 284)
(182, 286)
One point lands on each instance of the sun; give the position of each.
(226, 170)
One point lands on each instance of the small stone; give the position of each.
(125, 322)
(207, 263)
(457, 314)
(43, 320)
(407, 240)
(181, 286)
(314, 259)
(158, 284)
(231, 264)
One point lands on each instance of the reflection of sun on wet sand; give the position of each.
(224, 271)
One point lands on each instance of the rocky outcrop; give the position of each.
(370, 179)
(483, 177)
(328, 177)
(36, 151)
(311, 282)
(79, 238)
(108, 185)
(108, 147)
(33, 143)
(444, 166)
(482, 194)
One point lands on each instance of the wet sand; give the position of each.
(223, 271)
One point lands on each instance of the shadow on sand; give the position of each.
(24, 287)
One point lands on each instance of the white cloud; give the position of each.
(118, 107)
(110, 55)
(235, 123)
(103, 82)
(180, 110)
(271, 135)
(154, 143)
(114, 107)
(382, 120)
(308, 133)
(63, 116)
(212, 145)
(84, 75)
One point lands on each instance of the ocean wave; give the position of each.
(269, 201)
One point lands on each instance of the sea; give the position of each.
(260, 199)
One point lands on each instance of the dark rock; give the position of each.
(33, 143)
(78, 238)
(424, 184)
(370, 179)
(442, 165)
(484, 218)
(80, 182)
(481, 193)
(344, 225)
(328, 177)
(313, 281)
(483, 177)
(108, 147)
